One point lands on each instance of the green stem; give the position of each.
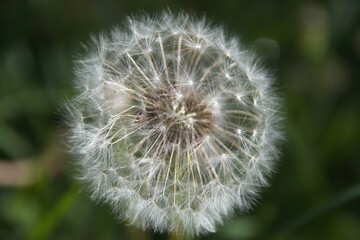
(176, 237)
(342, 198)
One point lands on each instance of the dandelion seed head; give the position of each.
(175, 124)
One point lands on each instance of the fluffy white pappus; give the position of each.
(175, 124)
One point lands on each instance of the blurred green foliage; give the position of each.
(312, 48)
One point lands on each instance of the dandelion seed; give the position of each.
(160, 132)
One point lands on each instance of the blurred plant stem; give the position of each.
(179, 236)
(15, 173)
(176, 237)
(25, 172)
(51, 219)
(135, 233)
(342, 198)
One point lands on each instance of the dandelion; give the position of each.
(175, 125)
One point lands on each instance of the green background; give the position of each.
(313, 49)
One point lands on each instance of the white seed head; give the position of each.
(175, 126)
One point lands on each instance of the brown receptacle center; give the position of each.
(182, 120)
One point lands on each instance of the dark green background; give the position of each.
(313, 49)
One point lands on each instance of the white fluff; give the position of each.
(175, 125)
